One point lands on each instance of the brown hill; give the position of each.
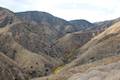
(32, 63)
(57, 25)
(103, 24)
(72, 41)
(102, 72)
(7, 17)
(81, 25)
(9, 69)
(104, 45)
(29, 45)
(75, 72)
(40, 43)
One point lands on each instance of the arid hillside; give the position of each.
(9, 70)
(88, 71)
(104, 45)
(36, 45)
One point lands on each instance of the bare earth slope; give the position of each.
(97, 58)
(39, 44)
(106, 72)
(28, 44)
(74, 73)
(104, 45)
(29, 61)
(71, 42)
(9, 69)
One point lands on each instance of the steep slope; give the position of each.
(9, 69)
(6, 17)
(52, 29)
(34, 38)
(29, 44)
(72, 41)
(75, 72)
(105, 72)
(60, 36)
(32, 64)
(41, 43)
(104, 45)
(56, 24)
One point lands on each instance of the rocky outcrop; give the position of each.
(7, 17)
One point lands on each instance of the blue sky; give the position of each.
(91, 10)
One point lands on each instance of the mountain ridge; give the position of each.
(43, 45)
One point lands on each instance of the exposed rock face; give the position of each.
(6, 17)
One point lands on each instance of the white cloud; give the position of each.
(92, 10)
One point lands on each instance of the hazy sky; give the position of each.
(91, 10)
